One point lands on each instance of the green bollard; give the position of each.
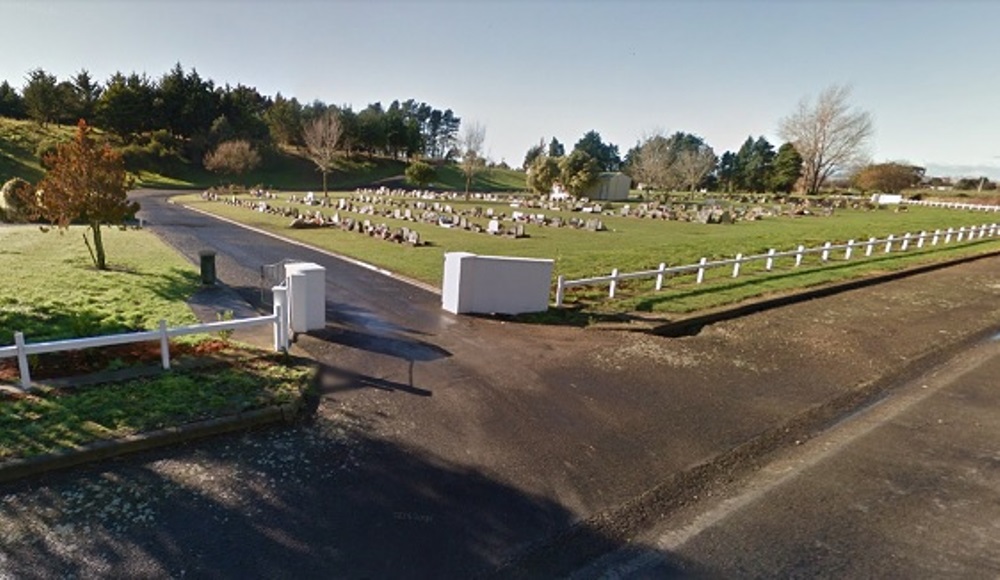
(207, 267)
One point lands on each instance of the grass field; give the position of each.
(632, 244)
(51, 290)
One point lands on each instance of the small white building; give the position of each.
(610, 185)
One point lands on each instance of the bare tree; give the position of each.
(323, 137)
(692, 165)
(652, 162)
(471, 143)
(829, 135)
(669, 163)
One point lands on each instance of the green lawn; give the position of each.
(48, 421)
(632, 244)
(51, 290)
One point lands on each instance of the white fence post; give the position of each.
(947, 235)
(826, 252)
(736, 265)
(869, 247)
(280, 294)
(164, 346)
(850, 248)
(22, 361)
(920, 240)
(934, 240)
(770, 260)
(701, 270)
(906, 242)
(888, 243)
(993, 230)
(659, 277)
(982, 231)
(614, 283)
(560, 290)
(798, 255)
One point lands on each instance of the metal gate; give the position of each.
(272, 275)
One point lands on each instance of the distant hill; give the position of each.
(21, 143)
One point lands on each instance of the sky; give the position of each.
(533, 69)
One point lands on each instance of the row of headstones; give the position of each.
(434, 213)
(380, 231)
(386, 196)
(428, 194)
(316, 220)
(450, 215)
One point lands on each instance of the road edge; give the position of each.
(587, 539)
(354, 261)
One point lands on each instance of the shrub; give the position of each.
(14, 201)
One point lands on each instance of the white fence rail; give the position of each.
(850, 249)
(951, 205)
(21, 349)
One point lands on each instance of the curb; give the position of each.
(692, 325)
(348, 259)
(91, 452)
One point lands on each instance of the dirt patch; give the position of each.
(80, 362)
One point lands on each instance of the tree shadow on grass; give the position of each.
(177, 284)
(320, 500)
(56, 321)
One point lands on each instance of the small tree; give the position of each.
(578, 171)
(323, 137)
(232, 157)
(420, 173)
(888, 177)
(15, 200)
(87, 183)
(471, 142)
(544, 172)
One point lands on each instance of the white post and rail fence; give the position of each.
(299, 306)
(951, 205)
(828, 251)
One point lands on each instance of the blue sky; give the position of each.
(531, 69)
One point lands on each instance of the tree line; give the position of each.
(185, 112)
(679, 161)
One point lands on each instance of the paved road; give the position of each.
(444, 446)
(357, 296)
(908, 488)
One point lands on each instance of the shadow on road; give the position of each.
(395, 346)
(333, 380)
(320, 500)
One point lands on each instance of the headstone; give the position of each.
(494, 227)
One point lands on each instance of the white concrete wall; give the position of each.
(495, 284)
(306, 296)
(887, 198)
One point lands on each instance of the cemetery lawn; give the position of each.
(52, 420)
(634, 244)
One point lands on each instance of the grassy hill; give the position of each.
(21, 141)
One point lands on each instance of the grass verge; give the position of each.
(52, 420)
